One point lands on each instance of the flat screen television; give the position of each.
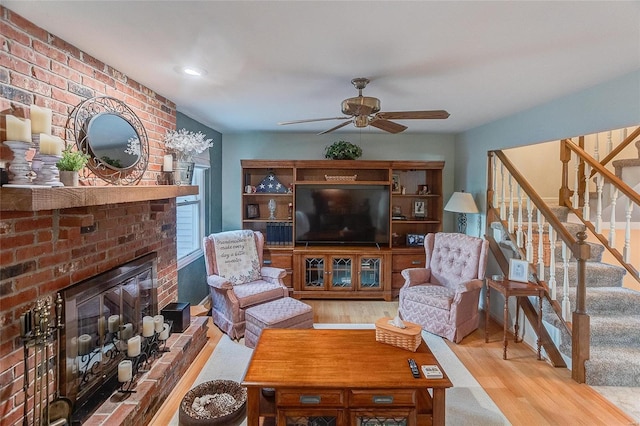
(342, 214)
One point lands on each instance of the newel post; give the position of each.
(580, 327)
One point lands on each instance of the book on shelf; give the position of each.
(279, 233)
(431, 372)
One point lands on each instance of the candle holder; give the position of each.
(127, 386)
(162, 346)
(48, 174)
(19, 167)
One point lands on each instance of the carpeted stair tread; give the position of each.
(622, 331)
(612, 366)
(595, 253)
(604, 301)
(598, 274)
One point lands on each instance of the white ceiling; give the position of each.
(271, 61)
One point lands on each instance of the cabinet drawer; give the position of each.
(310, 398)
(277, 260)
(405, 261)
(382, 397)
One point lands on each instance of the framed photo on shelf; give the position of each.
(518, 270)
(253, 211)
(415, 240)
(395, 184)
(419, 209)
(424, 190)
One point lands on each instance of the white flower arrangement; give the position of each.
(133, 147)
(186, 143)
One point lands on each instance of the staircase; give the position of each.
(614, 311)
(614, 316)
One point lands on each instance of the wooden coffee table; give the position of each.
(341, 374)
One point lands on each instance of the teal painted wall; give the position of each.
(192, 282)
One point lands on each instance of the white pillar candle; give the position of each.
(114, 323)
(168, 163)
(126, 332)
(147, 326)
(51, 145)
(125, 371)
(164, 334)
(84, 344)
(133, 346)
(158, 321)
(72, 348)
(18, 129)
(40, 119)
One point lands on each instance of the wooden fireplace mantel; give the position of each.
(36, 199)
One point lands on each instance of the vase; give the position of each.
(183, 172)
(69, 178)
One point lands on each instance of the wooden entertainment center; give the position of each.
(342, 269)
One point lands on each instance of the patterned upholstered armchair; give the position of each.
(443, 297)
(237, 280)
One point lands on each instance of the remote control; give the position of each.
(414, 368)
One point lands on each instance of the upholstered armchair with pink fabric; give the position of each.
(443, 297)
(236, 278)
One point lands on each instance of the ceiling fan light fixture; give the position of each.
(361, 121)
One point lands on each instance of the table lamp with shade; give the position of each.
(461, 203)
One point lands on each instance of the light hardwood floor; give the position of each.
(529, 392)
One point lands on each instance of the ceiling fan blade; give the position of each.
(411, 115)
(311, 120)
(387, 126)
(336, 127)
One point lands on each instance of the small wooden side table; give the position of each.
(518, 289)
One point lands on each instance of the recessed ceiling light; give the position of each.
(192, 71)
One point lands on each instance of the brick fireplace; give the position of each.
(45, 250)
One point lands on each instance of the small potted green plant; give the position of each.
(342, 150)
(70, 164)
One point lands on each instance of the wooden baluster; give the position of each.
(596, 148)
(519, 235)
(566, 303)
(494, 201)
(612, 218)
(587, 199)
(529, 252)
(609, 142)
(599, 187)
(552, 263)
(540, 246)
(575, 200)
(503, 213)
(510, 222)
(626, 253)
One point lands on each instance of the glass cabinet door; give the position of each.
(370, 272)
(314, 273)
(341, 273)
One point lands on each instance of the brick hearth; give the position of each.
(153, 387)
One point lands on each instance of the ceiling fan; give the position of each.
(364, 111)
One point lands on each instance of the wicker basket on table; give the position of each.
(408, 338)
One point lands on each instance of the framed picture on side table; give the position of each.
(518, 270)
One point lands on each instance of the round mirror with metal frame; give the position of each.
(114, 137)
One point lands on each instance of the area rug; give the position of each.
(467, 403)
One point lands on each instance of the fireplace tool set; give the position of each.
(40, 332)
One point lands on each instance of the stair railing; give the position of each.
(501, 208)
(578, 201)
